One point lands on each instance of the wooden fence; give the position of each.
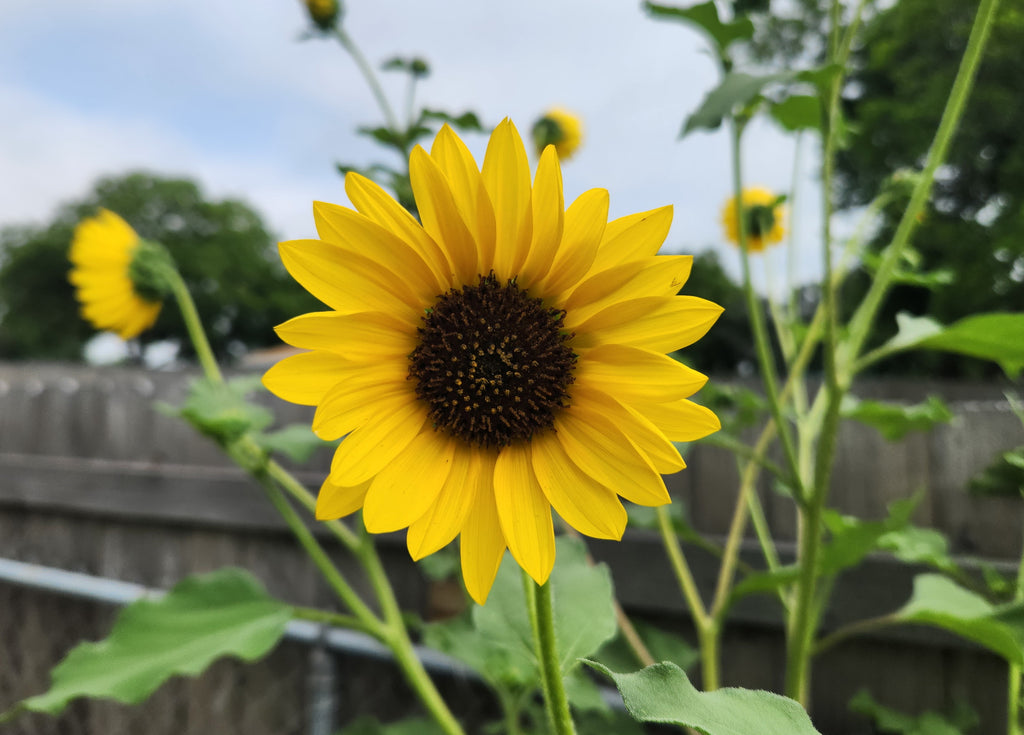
(92, 479)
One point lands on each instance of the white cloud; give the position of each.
(632, 80)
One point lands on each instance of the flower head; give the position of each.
(764, 216)
(323, 13)
(559, 128)
(117, 275)
(506, 357)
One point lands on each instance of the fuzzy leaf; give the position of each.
(940, 602)
(220, 410)
(894, 421)
(295, 441)
(996, 336)
(663, 693)
(704, 17)
(205, 617)
(798, 112)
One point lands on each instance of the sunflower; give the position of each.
(106, 254)
(506, 357)
(764, 218)
(559, 128)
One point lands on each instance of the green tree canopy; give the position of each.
(974, 226)
(222, 248)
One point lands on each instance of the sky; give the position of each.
(226, 93)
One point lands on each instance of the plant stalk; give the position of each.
(556, 703)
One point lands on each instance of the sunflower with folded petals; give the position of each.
(764, 216)
(112, 275)
(504, 358)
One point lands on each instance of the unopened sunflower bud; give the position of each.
(323, 13)
(559, 128)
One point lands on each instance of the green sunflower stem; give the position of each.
(556, 703)
(391, 631)
(194, 325)
(371, 79)
(764, 354)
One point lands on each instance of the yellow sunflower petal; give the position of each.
(548, 209)
(662, 275)
(632, 374)
(356, 399)
(584, 225)
(367, 335)
(369, 449)
(506, 173)
(371, 200)
(445, 518)
(360, 234)
(467, 187)
(652, 444)
(591, 440)
(441, 217)
(406, 487)
(335, 501)
(583, 503)
(524, 512)
(656, 323)
(305, 378)
(482, 543)
(633, 236)
(681, 421)
(347, 281)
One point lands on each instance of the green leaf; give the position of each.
(763, 582)
(996, 336)
(894, 421)
(962, 719)
(704, 17)
(604, 723)
(940, 602)
(798, 112)
(414, 66)
(295, 441)
(852, 539)
(582, 692)
(663, 693)
(205, 617)
(1004, 476)
(497, 639)
(662, 645)
(734, 90)
(220, 410)
(584, 615)
(467, 121)
(915, 545)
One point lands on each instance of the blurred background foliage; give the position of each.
(222, 248)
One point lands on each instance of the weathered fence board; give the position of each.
(92, 479)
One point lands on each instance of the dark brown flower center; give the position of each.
(493, 364)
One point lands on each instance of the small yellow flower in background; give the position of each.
(506, 357)
(559, 128)
(109, 276)
(764, 219)
(323, 13)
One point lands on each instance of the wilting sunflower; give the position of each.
(504, 358)
(106, 254)
(559, 128)
(764, 217)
